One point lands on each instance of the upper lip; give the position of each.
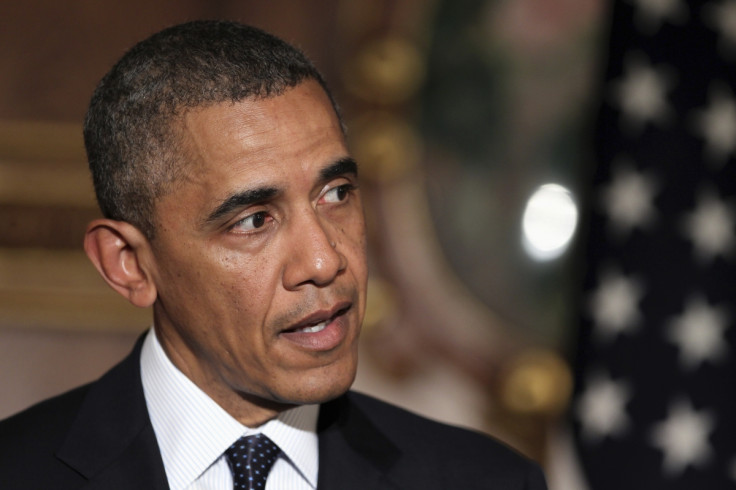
(321, 316)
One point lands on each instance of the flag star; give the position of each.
(641, 94)
(710, 227)
(683, 438)
(717, 125)
(722, 17)
(699, 333)
(614, 305)
(652, 13)
(601, 408)
(628, 199)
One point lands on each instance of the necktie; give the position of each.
(251, 458)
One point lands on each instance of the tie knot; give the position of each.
(251, 459)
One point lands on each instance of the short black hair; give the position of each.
(129, 131)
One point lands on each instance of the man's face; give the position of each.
(259, 258)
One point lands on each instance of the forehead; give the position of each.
(263, 129)
(276, 141)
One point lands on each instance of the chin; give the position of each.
(323, 387)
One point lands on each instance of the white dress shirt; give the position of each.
(193, 431)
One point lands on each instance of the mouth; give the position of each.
(314, 328)
(317, 322)
(321, 331)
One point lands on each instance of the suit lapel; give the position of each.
(353, 453)
(112, 442)
(139, 466)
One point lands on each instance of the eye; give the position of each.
(338, 194)
(252, 222)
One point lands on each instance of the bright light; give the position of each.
(549, 222)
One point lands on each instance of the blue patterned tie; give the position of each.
(251, 458)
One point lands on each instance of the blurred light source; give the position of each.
(549, 222)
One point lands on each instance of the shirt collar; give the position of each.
(193, 431)
(295, 432)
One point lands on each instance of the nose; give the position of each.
(313, 255)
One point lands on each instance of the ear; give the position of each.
(120, 252)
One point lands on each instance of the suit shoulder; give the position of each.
(44, 422)
(392, 419)
(30, 439)
(471, 452)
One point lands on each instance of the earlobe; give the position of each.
(118, 250)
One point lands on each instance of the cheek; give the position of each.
(352, 228)
(356, 237)
(248, 283)
(209, 289)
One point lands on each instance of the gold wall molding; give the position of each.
(46, 199)
(41, 140)
(44, 164)
(60, 289)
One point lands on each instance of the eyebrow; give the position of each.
(343, 166)
(241, 200)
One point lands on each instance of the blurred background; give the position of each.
(549, 188)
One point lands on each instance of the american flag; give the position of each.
(655, 399)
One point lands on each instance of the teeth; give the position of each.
(314, 328)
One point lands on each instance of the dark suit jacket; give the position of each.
(99, 436)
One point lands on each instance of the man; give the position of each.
(232, 208)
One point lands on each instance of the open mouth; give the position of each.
(316, 325)
(314, 328)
